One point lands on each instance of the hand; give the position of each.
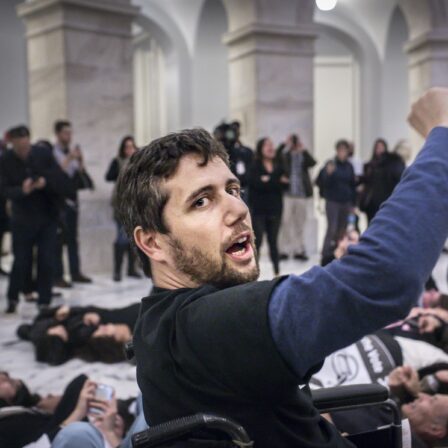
(86, 395)
(40, 183)
(109, 423)
(404, 377)
(91, 319)
(442, 375)
(265, 178)
(429, 111)
(284, 180)
(62, 312)
(428, 324)
(60, 331)
(330, 168)
(28, 185)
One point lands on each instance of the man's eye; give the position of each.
(200, 203)
(235, 191)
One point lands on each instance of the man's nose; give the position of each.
(236, 210)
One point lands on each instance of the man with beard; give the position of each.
(211, 339)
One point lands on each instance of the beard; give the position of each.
(203, 269)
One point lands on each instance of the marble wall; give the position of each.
(80, 69)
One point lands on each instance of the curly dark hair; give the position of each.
(140, 196)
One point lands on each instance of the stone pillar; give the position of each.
(428, 67)
(271, 80)
(271, 71)
(80, 69)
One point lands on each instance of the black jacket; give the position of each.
(340, 185)
(243, 155)
(307, 163)
(211, 350)
(266, 198)
(379, 179)
(40, 204)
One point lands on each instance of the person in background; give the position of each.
(4, 218)
(337, 181)
(44, 417)
(241, 160)
(266, 184)
(296, 161)
(121, 244)
(36, 186)
(403, 148)
(71, 160)
(355, 161)
(381, 174)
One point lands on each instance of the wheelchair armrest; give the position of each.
(175, 429)
(333, 398)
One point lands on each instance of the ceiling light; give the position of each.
(326, 5)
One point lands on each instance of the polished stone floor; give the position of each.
(17, 356)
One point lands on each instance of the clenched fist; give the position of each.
(429, 111)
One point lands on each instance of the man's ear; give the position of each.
(148, 243)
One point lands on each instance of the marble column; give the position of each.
(271, 80)
(428, 67)
(271, 71)
(80, 69)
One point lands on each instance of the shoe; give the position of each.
(134, 274)
(117, 277)
(81, 278)
(61, 283)
(56, 294)
(11, 309)
(283, 257)
(301, 257)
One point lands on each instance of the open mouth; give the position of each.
(240, 249)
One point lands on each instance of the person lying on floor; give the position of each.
(426, 411)
(19, 409)
(90, 333)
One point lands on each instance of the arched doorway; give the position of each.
(395, 85)
(210, 67)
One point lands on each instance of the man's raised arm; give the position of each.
(378, 281)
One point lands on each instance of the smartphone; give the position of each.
(102, 392)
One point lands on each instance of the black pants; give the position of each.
(337, 215)
(25, 236)
(270, 225)
(68, 236)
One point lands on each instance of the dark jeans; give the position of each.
(337, 215)
(270, 225)
(69, 236)
(25, 236)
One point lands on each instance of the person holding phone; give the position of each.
(34, 183)
(71, 160)
(297, 161)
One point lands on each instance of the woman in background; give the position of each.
(121, 244)
(266, 185)
(381, 174)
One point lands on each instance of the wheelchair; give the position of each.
(179, 433)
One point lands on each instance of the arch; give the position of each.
(395, 89)
(417, 14)
(210, 66)
(366, 54)
(163, 29)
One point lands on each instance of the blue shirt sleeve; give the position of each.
(377, 282)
